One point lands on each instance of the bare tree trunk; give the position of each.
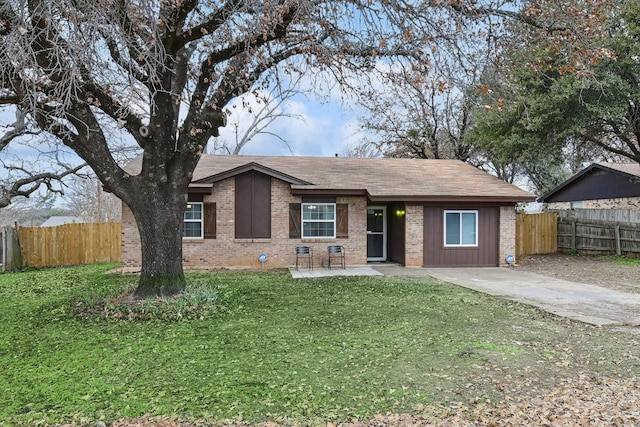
(160, 225)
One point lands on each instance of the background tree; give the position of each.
(418, 114)
(20, 177)
(163, 72)
(86, 199)
(546, 119)
(33, 210)
(253, 114)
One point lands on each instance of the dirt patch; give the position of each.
(594, 270)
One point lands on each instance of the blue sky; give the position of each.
(316, 129)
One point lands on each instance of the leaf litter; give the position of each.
(592, 401)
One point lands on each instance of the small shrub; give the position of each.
(194, 303)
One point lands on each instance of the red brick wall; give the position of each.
(227, 251)
(414, 218)
(507, 242)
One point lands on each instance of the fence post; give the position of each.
(519, 235)
(12, 254)
(573, 235)
(3, 245)
(618, 246)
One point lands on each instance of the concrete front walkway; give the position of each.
(587, 303)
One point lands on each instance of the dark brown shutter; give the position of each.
(261, 206)
(243, 206)
(342, 221)
(209, 220)
(295, 212)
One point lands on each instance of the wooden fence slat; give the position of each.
(536, 234)
(601, 236)
(71, 244)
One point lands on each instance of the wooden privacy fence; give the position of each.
(605, 231)
(598, 236)
(536, 233)
(71, 244)
(609, 215)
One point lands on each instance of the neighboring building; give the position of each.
(60, 220)
(409, 211)
(599, 186)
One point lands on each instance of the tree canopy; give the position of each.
(548, 118)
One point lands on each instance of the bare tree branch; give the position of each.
(31, 183)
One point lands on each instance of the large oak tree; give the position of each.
(163, 71)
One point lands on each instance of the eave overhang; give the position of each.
(310, 191)
(388, 198)
(452, 199)
(200, 188)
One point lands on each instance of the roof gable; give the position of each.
(598, 181)
(251, 166)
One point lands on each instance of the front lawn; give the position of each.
(274, 348)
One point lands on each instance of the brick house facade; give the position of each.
(233, 221)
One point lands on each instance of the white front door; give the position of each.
(376, 233)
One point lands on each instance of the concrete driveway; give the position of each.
(586, 303)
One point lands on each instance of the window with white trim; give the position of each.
(460, 228)
(318, 220)
(192, 227)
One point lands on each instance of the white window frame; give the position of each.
(191, 220)
(460, 245)
(303, 220)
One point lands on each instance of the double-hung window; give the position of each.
(318, 220)
(193, 215)
(460, 228)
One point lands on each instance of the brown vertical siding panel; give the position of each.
(484, 255)
(429, 238)
(396, 233)
(489, 226)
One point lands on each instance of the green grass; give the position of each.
(299, 351)
(621, 260)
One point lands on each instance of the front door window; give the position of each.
(376, 233)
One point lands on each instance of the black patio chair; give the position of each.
(336, 252)
(304, 252)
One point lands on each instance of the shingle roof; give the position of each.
(628, 168)
(382, 179)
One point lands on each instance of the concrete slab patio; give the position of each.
(306, 273)
(591, 304)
